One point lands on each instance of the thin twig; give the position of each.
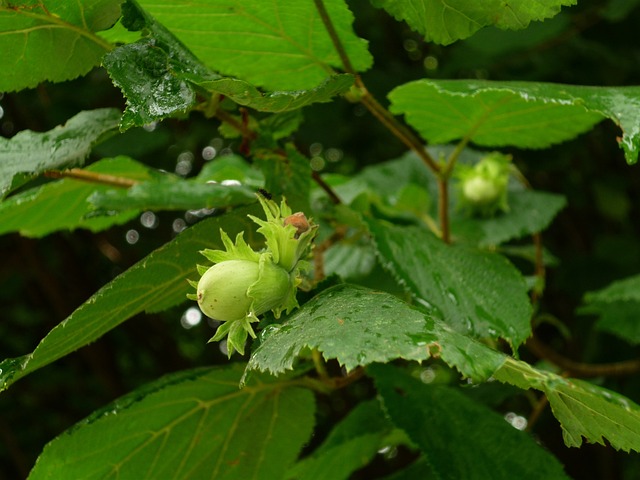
(92, 177)
(578, 369)
(337, 43)
(333, 196)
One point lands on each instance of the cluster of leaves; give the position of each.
(452, 299)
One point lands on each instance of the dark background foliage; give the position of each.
(595, 237)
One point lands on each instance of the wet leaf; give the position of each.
(52, 40)
(156, 283)
(520, 114)
(583, 409)
(278, 45)
(477, 293)
(243, 93)
(161, 78)
(444, 22)
(436, 417)
(358, 327)
(30, 153)
(62, 205)
(193, 424)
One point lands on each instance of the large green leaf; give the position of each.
(279, 45)
(358, 326)
(583, 409)
(477, 293)
(31, 153)
(193, 424)
(617, 305)
(350, 446)
(520, 114)
(156, 283)
(52, 39)
(444, 22)
(63, 205)
(160, 77)
(437, 417)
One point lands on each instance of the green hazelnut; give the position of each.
(222, 290)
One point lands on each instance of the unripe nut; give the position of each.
(480, 190)
(222, 290)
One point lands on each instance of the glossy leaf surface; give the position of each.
(477, 293)
(519, 114)
(358, 326)
(194, 424)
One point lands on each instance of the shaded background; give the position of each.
(596, 237)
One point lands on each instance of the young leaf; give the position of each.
(436, 417)
(475, 292)
(357, 326)
(63, 205)
(52, 40)
(350, 446)
(520, 114)
(444, 22)
(156, 283)
(617, 305)
(583, 409)
(30, 153)
(193, 424)
(279, 45)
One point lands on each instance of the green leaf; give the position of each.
(520, 114)
(620, 290)
(437, 417)
(156, 283)
(52, 40)
(279, 45)
(444, 22)
(160, 78)
(30, 153)
(583, 409)
(477, 293)
(350, 445)
(243, 93)
(358, 326)
(529, 212)
(62, 205)
(617, 305)
(173, 194)
(193, 424)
